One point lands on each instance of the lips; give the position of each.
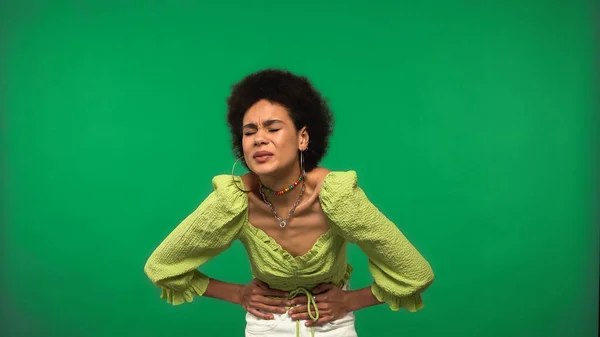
(262, 156)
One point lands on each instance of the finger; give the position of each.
(299, 300)
(304, 299)
(303, 309)
(322, 287)
(324, 297)
(301, 317)
(272, 301)
(261, 284)
(275, 292)
(268, 308)
(320, 321)
(259, 314)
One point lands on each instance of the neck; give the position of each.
(279, 182)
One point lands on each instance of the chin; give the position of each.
(264, 169)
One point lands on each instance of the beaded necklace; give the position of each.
(282, 222)
(285, 190)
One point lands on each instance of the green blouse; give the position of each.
(399, 271)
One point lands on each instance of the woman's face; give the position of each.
(270, 140)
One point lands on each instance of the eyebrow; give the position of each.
(266, 123)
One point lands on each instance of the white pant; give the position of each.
(283, 326)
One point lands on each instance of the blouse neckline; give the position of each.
(269, 240)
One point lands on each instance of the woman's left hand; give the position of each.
(332, 303)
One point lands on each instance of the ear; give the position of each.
(303, 139)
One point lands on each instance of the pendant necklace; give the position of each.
(283, 222)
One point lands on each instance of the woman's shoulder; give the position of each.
(339, 191)
(321, 179)
(336, 179)
(225, 183)
(318, 175)
(229, 190)
(333, 184)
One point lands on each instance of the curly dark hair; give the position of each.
(304, 103)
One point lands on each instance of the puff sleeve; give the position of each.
(399, 271)
(207, 231)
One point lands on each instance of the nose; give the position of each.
(259, 138)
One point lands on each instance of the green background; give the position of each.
(471, 124)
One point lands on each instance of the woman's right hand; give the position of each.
(253, 299)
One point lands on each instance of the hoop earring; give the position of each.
(233, 176)
(302, 163)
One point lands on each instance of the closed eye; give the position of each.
(250, 133)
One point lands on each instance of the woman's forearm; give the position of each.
(224, 291)
(233, 293)
(361, 298)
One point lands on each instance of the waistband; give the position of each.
(310, 303)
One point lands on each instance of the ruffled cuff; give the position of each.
(411, 303)
(196, 287)
(346, 278)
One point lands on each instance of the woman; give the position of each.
(294, 219)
